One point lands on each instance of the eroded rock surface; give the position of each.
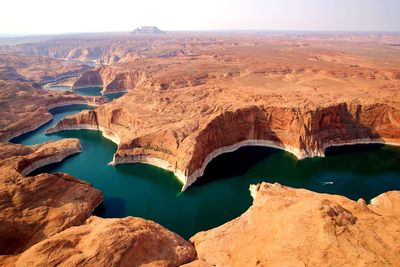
(24, 108)
(34, 208)
(30, 68)
(297, 227)
(182, 111)
(109, 242)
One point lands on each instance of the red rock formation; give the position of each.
(29, 68)
(112, 80)
(36, 207)
(297, 227)
(185, 110)
(24, 108)
(304, 132)
(109, 242)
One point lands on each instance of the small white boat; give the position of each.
(327, 183)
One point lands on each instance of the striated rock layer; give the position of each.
(109, 242)
(297, 227)
(112, 80)
(36, 207)
(181, 112)
(24, 108)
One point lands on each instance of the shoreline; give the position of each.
(84, 87)
(187, 181)
(50, 160)
(114, 92)
(73, 88)
(30, 129)
(58, 79)
(40, 124)
(106, 133)
(231, 148)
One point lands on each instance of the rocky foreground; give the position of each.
(36, 207)
(109, 242)
(297, 227)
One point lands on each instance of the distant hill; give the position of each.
(148, 30)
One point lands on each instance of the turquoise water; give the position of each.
(222, 193)
(89, 91)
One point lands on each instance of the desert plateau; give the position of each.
(155, 147)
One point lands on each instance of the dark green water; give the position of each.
(222, 193)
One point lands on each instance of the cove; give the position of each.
(222, 193)
(87, 91)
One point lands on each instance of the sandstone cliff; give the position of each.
(185, 145)
(36, 207)
(112, 80)
(296, 227)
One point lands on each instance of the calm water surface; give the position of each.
(89, 91)
(222, 193)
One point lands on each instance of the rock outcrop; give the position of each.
(29, 68)
(34, 208)
(112, 80)
(109, 242)
(296, 227)
(24, 108)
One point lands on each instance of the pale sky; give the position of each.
(63, 16)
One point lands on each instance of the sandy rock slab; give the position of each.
(108, 242)
(33, 208)
(297, 227)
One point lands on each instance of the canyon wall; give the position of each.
(112, 80)
(305, 133)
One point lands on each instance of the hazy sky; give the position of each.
(60, 16)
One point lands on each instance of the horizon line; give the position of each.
(19, 35)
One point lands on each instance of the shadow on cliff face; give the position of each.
(235, 163)
(339, 123)
(346, 123)
(345, 149)
(114, 207)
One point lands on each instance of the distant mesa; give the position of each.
(148, 30)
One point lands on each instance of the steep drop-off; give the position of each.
(186, 148)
